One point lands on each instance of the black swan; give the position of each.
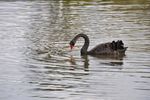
(109, 48)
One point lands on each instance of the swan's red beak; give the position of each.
(71, 46)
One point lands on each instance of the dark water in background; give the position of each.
(36, 63)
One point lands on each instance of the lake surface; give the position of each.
(36, 62)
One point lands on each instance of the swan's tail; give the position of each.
(122, 51)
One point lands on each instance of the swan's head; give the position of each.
(72, 43)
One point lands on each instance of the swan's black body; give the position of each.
(109, 48)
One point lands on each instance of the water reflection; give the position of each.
(117, 62)
(84, 60)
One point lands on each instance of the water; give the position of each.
(37, 64)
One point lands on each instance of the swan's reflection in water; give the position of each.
(106, 60)
(86, 62)
(84, 59)
(112, 60)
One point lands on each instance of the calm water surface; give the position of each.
(37, 64)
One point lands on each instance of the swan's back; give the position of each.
(100, 49)
(107, 49)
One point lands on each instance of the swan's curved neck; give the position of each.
(86, 43)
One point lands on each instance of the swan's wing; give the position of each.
(104, 48)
